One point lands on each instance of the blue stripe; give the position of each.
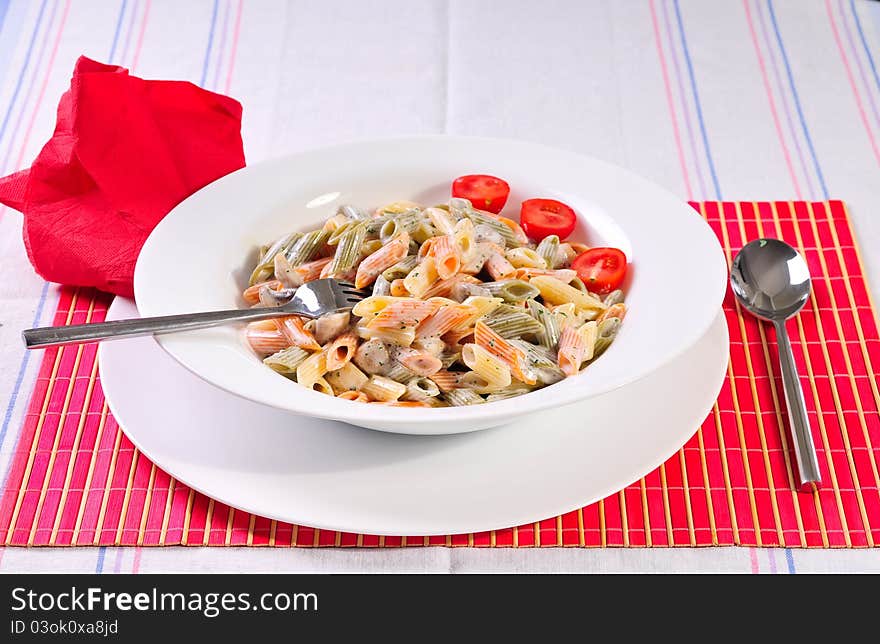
(690, 67)
(797, 100)
(789, 559)
(855, 14)
(210, 44)
(27, 60)
(116, 33)
(4, 7)
(22, 369)
(99, 566)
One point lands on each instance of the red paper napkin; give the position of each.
(125, 151)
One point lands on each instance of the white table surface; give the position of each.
(713, 99)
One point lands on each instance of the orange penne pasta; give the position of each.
(419, 361)
(513, 356)
(311, 270)
(356, 396)
(425, 248)
(498, 267)
(347, 276)
(614, 311)
(265, 339)
(572, 351)
(446, 256)
(341, 350)
(386, 257)
(564, 275)
(444, 320)
(251, 294)
(446, 380)
(295, 331)
(403, 313)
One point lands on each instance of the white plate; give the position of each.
(198, 259)
(333, 476)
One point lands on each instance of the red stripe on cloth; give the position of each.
(75, 479)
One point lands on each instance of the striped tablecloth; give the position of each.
(751, 100)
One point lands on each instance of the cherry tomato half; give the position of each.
(601, 269)
(484, 191)
(543, 217)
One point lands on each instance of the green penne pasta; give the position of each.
(463, 397)
(305, 248)
(512, 322)
(515, 389)
(352, 212)
(287, 360)
(549, 337)
(506, 233)
(374, 225)
(337, 234)
(458, 208)
(348, 251)
(512, 290)
(401, 269)
(614, 297)
(266, 264)
(398, 372)
(408, 221)
(548, 249)
(608, 329)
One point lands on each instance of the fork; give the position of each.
(311, 300)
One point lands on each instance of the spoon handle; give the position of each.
(801, 437)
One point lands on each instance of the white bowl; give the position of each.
(199, 257)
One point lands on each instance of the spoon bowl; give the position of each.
(770, 279)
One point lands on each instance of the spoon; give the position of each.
(771, 281)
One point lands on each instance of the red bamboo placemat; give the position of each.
(75, 478)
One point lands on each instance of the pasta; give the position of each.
(464, 308)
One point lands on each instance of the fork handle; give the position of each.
(54, 336)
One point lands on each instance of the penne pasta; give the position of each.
(384, 258)
(548, 250)
(251, 294)
(447, 259)
(295, 331)
(525, 257)
(555, 292)
(511, 355)
(488, 366)
(572, 351)
(341, 350)
(511, 290)
(462, 397)
(498, 267)
(264, 338)
(444, 320)
(382, 389)
(311, 369)
(287, 360)
(306, 247)
(420, 279)
(346, 378)
(402, 268)
(441, 220)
